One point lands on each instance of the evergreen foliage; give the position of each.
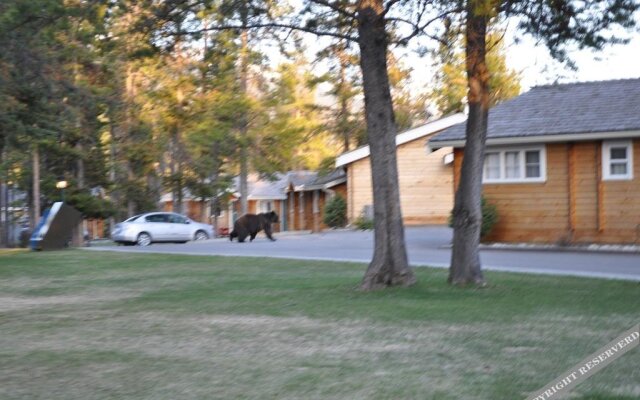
(490, 218)
(335, 212)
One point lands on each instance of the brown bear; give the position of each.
(251, 224)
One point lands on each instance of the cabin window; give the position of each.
(532, 164)
(492, 166)
(617, 160)
(514, 165)
(265, 206)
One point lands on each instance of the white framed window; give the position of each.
(617, 160)
(265, 206)
(515, 165)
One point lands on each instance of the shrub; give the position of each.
(363, 223)
(335, 212)
(489, 217)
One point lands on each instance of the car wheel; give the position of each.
(144, 239)
(201, 235)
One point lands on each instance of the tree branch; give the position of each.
(271, 25)
(389, 5)
(335, 7)
(419, 28)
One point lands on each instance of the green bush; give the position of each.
(363, 223)
(489, 217)
(335, 212)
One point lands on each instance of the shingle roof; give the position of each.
(263, 189)
(334, 177)
(587, 107)
(267, 189)
(299, 178)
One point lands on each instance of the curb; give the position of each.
(627, 249)
(624, 249)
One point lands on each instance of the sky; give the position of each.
(537, 67)
(534, 63)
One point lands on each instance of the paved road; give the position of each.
(427, 246)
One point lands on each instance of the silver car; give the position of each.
(145, 229)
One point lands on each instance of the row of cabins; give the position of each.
(298, 197)
(559, 166)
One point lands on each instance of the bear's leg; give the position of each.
(232, 235)
(241, 237)
(267, 231)
(253, 236)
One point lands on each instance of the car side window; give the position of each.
(156, 218)
(177, 219)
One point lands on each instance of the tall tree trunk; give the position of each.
(131, 206)
(78, 123)
(243, 123)
(130, 96)
(176, 173)
(344, 103)
(112, 171)
(156, 182)
(82, 225)
(4, 201)
(389, 265)
(80, 165)
(467, 213)
(178, 208)
(113, 175)
(8, 223)
(36, 185)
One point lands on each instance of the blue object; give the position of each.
(38, 233)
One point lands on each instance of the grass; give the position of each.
(93, 325)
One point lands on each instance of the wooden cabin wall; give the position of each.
(426, 185)
(574, 205)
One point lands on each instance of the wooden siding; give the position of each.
(574, 205)
(295, 221)
(309, 220)
(426, 185)
(341, 190)
(96, 228)
(620, 206)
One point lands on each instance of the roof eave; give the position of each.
(404, 137)
(323, 186)
(568, 137)
(279, 197)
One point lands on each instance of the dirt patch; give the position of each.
(17, 303)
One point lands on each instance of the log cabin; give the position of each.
(307, 194)
(298, 197)
(263, 196)
(425, 178)
(561, 163)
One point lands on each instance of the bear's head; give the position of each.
(272, 217)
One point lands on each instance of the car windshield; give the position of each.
(133, 218)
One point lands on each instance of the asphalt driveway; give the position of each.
(427, 246)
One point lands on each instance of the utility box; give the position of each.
(55, 228)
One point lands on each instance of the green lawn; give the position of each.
(101, 325)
